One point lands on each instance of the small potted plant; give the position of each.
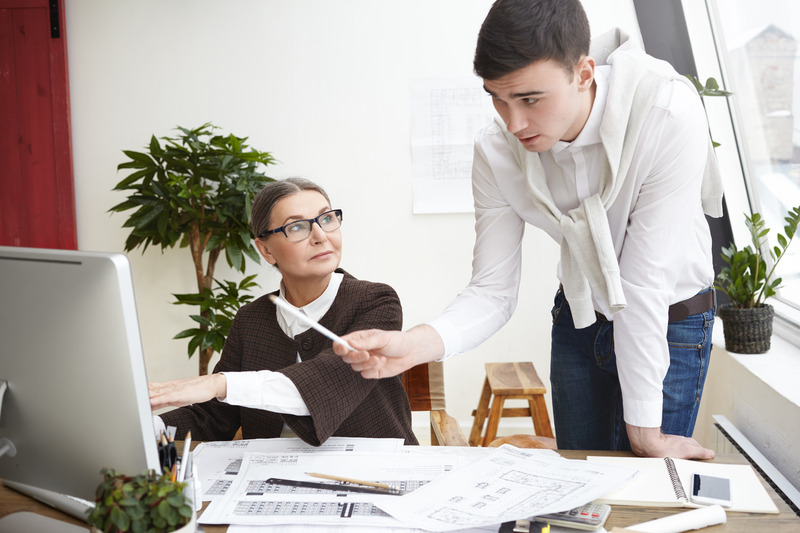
(145, 503)
(748, 281)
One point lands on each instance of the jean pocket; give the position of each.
(604, 344)
(694, 331)
(558, 306)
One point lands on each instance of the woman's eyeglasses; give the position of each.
(300, 229)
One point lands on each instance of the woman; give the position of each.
(274, 369)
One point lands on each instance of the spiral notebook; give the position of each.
(665, 483)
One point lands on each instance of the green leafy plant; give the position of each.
(195, 190)
(217, 311)
(145, 503)
(746, 277)
(711, 88)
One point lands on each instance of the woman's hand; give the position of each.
(180, 392)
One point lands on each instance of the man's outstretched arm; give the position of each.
(382, 354)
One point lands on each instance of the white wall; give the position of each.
(324, 86)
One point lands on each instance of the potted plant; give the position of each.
(749, 280)
(145, 503)
(195, 190)
(711, 88)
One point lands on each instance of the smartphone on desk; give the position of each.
(711, 490)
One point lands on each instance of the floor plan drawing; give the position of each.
(252, 499)
(508, 484)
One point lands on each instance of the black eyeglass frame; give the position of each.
(282, 229)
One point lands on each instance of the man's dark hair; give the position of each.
(517, 33)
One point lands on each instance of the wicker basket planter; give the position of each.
(747, 330)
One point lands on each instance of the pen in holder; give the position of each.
(185, 457)
(167, 454)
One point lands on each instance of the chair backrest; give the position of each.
(424, 386)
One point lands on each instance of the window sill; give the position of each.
(779, 368)
(759, 394)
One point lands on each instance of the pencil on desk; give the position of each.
(350, 480)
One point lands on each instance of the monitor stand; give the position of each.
(28, 521)
(65, 503)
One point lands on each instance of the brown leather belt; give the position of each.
(699, 303)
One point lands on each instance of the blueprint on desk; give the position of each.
(451, 489)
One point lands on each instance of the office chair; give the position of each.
(424, 386)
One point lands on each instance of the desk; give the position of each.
(621, 515)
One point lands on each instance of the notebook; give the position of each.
(666, 482)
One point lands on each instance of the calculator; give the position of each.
(587, 517)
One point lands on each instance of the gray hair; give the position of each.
(270, 195)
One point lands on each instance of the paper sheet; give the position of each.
(370, 529)
(218, 463)
(297, 528)
(250, 500)
(446, 114)
(473, 490)
(508, 484)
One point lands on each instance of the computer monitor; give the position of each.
(71, 356)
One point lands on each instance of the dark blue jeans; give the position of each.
(587, 402)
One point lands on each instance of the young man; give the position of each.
(607, 152)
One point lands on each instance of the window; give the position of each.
(757, 47)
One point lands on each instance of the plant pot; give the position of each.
(747, 330)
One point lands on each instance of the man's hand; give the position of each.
(180, 392)
(382, 354)
(651, 442)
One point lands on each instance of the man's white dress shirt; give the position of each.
(658, 229)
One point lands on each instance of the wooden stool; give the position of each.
(525, 441)
(510, 381)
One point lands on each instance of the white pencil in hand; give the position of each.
(283, 304)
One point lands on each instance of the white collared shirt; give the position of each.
(660, 235)
(273, 391)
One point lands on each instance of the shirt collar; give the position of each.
(314, 310)
(590, 134)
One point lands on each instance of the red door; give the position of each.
(37, 200)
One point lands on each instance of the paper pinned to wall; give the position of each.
(446, 113)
